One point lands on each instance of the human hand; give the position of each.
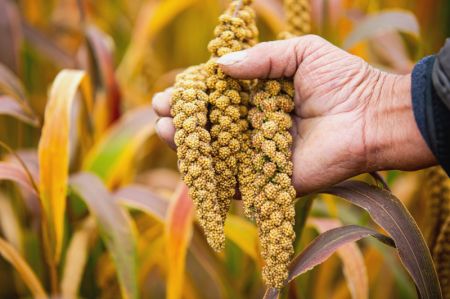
(349, 117)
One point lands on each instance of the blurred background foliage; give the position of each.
(128, 228)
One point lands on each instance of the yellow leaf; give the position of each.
(24, 270)
(53, 151)
(178, 235)
(115, 227)
(76, 258)
(151, 20)
(111, 158)
(244, 234)
(9, 223)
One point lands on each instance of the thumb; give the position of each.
(274, 59)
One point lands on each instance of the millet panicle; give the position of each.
(441, 257)
(437, 223)
(236, 31)
(189, 109)
(274, 202)
(298, 17)
(437, 191)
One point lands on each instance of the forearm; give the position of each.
(393, 138)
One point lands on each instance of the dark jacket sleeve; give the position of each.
(431, 103)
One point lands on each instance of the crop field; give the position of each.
(93, 204)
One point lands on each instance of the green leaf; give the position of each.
(115, 226)
(113, 155)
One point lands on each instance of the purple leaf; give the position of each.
(141, 198)
(322, 247)
(388, 212)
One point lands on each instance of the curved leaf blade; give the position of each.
(395, 20)
(9, 106)
(244, 234)
(354, 268)
(107, 108)
(141, 198)
(53, 151)
(178, 234)
(322, 247)
(327, 243)
(26, 273)
(115, 226)
(388, 212)
(113, 154)
(15, 173)
(152, 18)
(12, 98)
(11, 33)
(10, 84)
(9, 223)
(76, 258)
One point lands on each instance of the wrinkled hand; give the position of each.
(349, 118)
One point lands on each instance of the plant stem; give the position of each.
(49, 259)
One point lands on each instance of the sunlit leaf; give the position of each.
(76, 258)
(355, 271)
(115, 226)
(388, 212)
(152, 254)
(178, 236)
(20, 265)
(244, 234)
(53, 150)
(398, 20)
(141, 198)
(112, 157)
(322, 247)
(152, 19)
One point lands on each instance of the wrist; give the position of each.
(393, 140)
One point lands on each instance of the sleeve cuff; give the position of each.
(431, 114)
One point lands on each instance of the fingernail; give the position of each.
(232, 58)
(157, 127)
